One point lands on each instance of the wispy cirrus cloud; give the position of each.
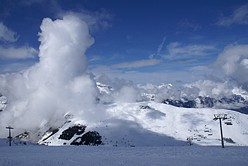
(160, 47)
(15, 66)
(176, 50)
(189, 24)
(18, 52)
(10, 51)
(6, 34)
(138, 63)
(239, 16)
(95, 58)
(140, 77)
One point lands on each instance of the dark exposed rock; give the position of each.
(234, 98)
(71, 131)
(89, 138)
(229, 140)
(23, 135)
(207, 101)
(52, 131)
(180, 103)
(145, 107)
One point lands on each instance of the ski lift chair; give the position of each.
(228, 122)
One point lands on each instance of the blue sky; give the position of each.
(144, 41)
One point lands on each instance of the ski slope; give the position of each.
(102, 155)
(156, 124)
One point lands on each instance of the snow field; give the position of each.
(180, 123)
(96, 156)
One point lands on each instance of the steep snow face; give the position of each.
(156, 124)
(104, 89)
(3, 102)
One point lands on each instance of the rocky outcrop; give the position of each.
(71, 131)
(89, 138)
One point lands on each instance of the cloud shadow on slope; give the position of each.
(118, 132)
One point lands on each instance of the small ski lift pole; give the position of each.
(9, 137)
(220, 117)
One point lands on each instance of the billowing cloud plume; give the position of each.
(234, 63)
(6, 34)
(57, 84)
(127, 94)
(239, 16)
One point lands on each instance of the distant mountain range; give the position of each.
(235, 102)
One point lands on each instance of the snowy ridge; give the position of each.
(104, 88)
(157, 124)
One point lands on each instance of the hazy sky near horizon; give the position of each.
(139, 40)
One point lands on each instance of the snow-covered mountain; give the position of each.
(57, 102)
(148, 122)
(152, 124)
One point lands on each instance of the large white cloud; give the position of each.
(234, 63)
(57, 84)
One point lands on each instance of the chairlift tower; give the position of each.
(9, 137)
(220, 117)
